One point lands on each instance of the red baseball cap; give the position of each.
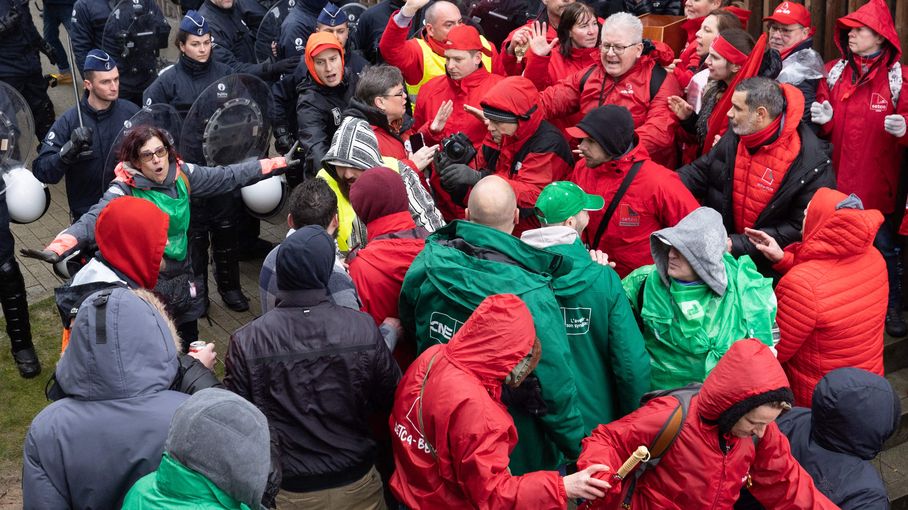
(463, 37)
(790, 13)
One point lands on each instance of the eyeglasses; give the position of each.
(160, 152)
(617, 48)
(781, 29)
(402, 93)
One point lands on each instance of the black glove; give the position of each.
(284, 66)
(455, 177)
(78, 146)
(527, 396)
(45, 255)
(294, 156)
(48, 51)
(10, 21)
(282, 140)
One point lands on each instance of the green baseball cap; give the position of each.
(562, 199)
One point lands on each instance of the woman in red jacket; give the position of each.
(576, 48)
(832, 297)
(691, 57)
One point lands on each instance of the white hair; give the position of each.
(626, 23)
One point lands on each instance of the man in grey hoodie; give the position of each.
(606, 346)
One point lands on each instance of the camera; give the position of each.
(457, 148)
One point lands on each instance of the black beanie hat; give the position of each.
(612, 127)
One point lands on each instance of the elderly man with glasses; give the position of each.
(629, 74)
(791, 35)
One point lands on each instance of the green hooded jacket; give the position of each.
(175, 486)
(687, 328)
(611, 365)
(443, 287)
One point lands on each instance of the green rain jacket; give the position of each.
(610, 360)
(687, 328)
(175, 486)
(462, 264)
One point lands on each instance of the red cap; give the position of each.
(463, 37)
(790, 13)
(577, 132)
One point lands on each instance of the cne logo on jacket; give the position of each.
(878, 103)
(442, 327)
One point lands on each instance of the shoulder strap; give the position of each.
(638, 313)
(586, 76)
(182, 177)
(614, 203)
(656, 79)
(670, 431)
(422, 390)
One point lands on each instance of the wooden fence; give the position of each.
(824, 16)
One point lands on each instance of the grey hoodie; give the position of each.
(701, 238)
(86, 450)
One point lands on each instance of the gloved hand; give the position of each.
(820, 113)
(284, 66)
(294, 156)
(10, 21)
(45, 255)
(282, 139)
(48, 51)
(894, 125)
(527, 396)
(457, 175)
(79, 145)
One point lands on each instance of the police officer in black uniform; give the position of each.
(77, 148)
(213, 218)
(20, 65)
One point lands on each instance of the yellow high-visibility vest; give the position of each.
(433, 64)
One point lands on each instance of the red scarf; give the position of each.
(756, 140)
(718, 120)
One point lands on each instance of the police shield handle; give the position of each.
(583, 484)
(640, 455)
(412, 6)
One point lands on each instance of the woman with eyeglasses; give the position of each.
(150, 169)
(575, 48)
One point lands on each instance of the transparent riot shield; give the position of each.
(229, 122)
(270, 29)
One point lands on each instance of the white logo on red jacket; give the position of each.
(878, 103)
(628, 90)
(767, 180)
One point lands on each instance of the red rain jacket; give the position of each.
(464, 420)
(694, 472)
(833, 295)
(865, 156)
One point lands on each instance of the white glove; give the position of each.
(820, 113)
(894, 125)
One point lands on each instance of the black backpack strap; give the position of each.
(626, 183)
(585, 77)
(656, 80)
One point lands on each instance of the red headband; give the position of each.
(729, 52)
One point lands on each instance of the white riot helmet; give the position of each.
(267, 199)
(26, 197)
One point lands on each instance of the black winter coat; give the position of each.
(711, 178)
(183, 83)
(18, 44)
(317, 371)
(319, 113)
(233, 43)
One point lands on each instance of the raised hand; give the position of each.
(681, 108)
(539, 45)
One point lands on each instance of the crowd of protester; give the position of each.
(511, 262)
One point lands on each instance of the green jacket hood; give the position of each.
(174, 485)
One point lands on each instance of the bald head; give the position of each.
(492, 203)
(441, 17)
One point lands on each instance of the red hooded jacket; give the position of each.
(656, 199)
(865, 156)
(694, 472)
(456, 390)
(131, 234)
(654, 121)
(467, 91)
(548, 160)
(833, 295)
